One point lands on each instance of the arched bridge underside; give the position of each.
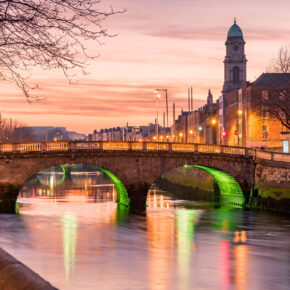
(133, 172)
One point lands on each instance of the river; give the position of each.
(71, 231)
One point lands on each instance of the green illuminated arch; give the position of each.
(231, 192)
(122, 194)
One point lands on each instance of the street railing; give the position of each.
(143, 146)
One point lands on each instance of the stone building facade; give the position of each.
(238, 117)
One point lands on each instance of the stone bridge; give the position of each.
(134, 166)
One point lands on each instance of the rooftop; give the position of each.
(272, 79)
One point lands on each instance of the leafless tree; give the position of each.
(15, 131)
(49, 34)
(277, 104)
(281, 63)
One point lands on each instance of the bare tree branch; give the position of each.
(47, 33)
(277, 104)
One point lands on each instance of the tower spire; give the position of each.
(235, 20)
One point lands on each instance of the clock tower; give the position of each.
(235, 60)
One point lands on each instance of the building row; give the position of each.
(247, 113)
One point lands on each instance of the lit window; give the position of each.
(265, 95)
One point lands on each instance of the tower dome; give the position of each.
(235, 30)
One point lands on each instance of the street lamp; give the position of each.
(180, 135)
(213, 121)
(157, 98)
(166, 97)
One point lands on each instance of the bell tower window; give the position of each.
(236, 74)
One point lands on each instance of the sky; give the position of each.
(172, 44)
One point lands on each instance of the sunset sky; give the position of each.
(169, 44)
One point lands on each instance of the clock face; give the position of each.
(236, 47)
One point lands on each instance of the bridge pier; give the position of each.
(8, 197)
(138, 196)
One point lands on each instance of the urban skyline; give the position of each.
(163, 51)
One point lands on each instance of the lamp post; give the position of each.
(239, 125)
(191, 132)
(166, 98)
(157, 98)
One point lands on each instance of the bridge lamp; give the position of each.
(154, 137)
(161, 137)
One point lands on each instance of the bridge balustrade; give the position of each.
(154, 146)
(57, 146)
(209, 148)
(110, 145)
(138, 146)
(183, 147)
(7, 147)
(143, 146)
(85, 146)
(233, 150)
(26, 147)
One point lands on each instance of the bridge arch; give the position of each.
(9, 193)
(230, 189)
(231, 192)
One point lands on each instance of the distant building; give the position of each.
(75, 136)
(198, 126)
(130, 133)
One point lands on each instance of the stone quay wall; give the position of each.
(16, 276)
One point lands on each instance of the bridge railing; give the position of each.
(143, 146)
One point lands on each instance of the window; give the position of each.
(236, 74)
(265, 132)
(265, 95)
(265, 113)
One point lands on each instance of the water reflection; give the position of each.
(69, 228)
(74, 234)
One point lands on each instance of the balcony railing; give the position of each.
(143, 146)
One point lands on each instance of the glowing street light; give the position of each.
(213, 121)
(199, 128)
(190, 132)
(240, 112)
(166, 99)
(157, 98)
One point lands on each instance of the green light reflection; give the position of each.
(185, 244)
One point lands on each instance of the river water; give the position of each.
(71, 231)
